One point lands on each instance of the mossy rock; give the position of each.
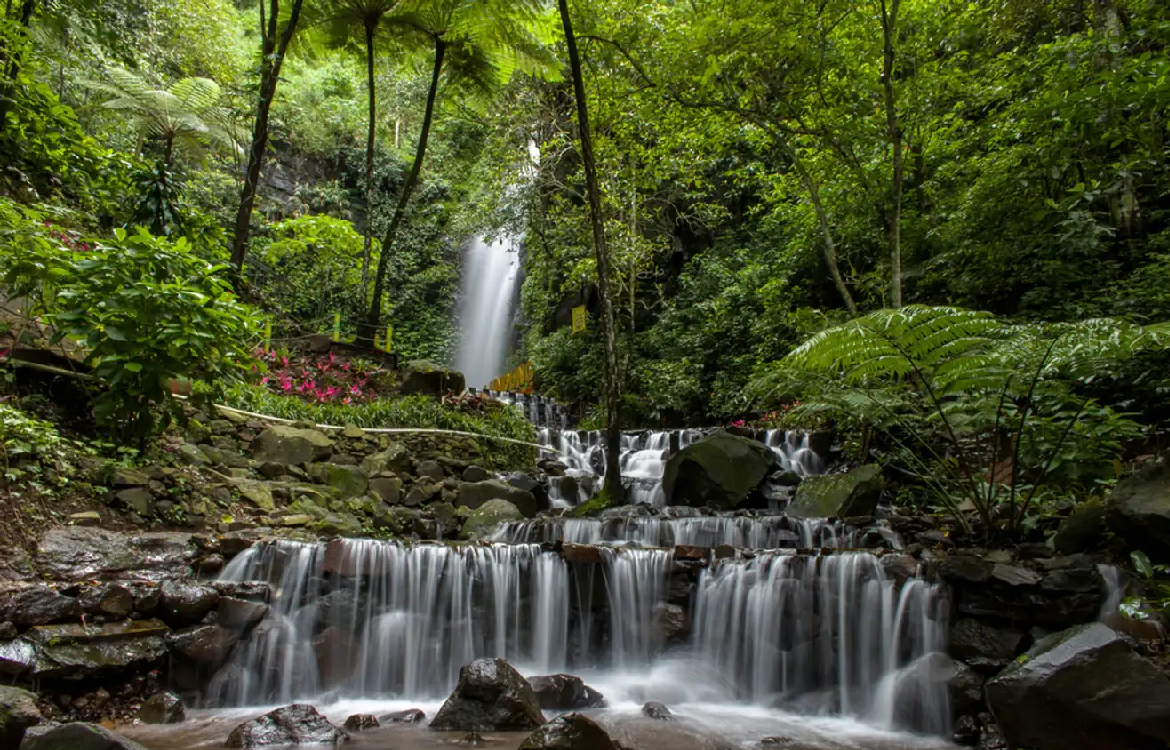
(722, 471)
(342, 524)
(854, 493)
(348, 481)
(1081, 530)
(393, 459)
(428, 378)
(484, 519)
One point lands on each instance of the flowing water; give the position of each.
(491, 272)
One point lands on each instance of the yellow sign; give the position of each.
(519, 379)
(578, 319)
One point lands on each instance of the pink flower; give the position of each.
(264, 380)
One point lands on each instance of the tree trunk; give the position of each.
(613, 433)
(373, 113)
(374, 319)
(169, 153)
(889, 29)
(814, 192)
(273, 51)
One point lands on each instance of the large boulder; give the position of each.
(488, 516)
(564, 692)
(569, 732)
(75, 553)
(1139, 511)
(491, 696)
(41, 605)
(79, 737)
(973, 639)
(185, 603)
(348, 481)
(76, 650)
(427, 378)
(18, 712)
(1082, 689)
(721, 471)
(298, 724)
(287, 445)
(474, 494)
(854, 493)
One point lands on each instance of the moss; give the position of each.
(594, 505)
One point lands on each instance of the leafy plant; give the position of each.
(992, 405)
(323, 379)
(1157, 593)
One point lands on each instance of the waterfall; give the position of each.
(491, 272)
(363, 619)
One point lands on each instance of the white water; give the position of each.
(491, 271)
(369, 620)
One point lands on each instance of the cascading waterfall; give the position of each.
(371, 619)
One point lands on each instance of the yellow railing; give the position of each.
(519, 380)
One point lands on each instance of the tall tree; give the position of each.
(477, 45)
(10, 58)
(273, 46)
(613, 431)
(889, 12)
(365, 17)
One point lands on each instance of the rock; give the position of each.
(18, 712)
(17, 657)
(1138, 510)
(128, 477)
(394, 459)
(79, 737)
(584, 554)
(409, 716)
(1082, 530)
(968, 568)
(162, 708)
(1015, 576)
(721, 471)
(854, 493)
(967, 731)
(348, 481)
(972, 638)
(474, 494)
(289, 446)
(569, 732)
(109, 599)
(42, 605)
(476, 474)
(918, 681)
(75, 553)
(92, 651)
(138, 499)
(336, 654)
(206, 645)
(564, 692)
(240, 614)
(186, 603)
(362, 722)
(429, 379)
(353, 432)
(259, 494)
(656, 710)
(490, 696)
(486, 517)
(671, 622)
(1082, 689)
(387, 489)
(298, 724)
(431, 470)
(86, 518)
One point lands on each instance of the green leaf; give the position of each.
(133, 366)
(1142, 564)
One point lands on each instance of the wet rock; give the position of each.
(972, 638)
(18, 712)
(298, 724)
(86, 518)
(362, 723)
(336, 654)
(287, 445)
(690, 552)
(79, 737)
(162, 708)
(656, 710)
(584, 554)
(1082, 689)
(17, 657)
(1138, 510)
(111, 600)
(92, 651)
(185, 603)
(409, 716)
(206, 645)
(1015, 576)
(42, 605)
(966, 568)
(240, 614)
(916, 685)
(1081, 530)
(671, 622)
(476, 474)
(967, 731)
(75, 553)
(569, 732)
(485, 518)
(721, 471)
(854, 493)
(475, 494)
(430, 379)
(899, 567)
(491, 696)
(564, 692)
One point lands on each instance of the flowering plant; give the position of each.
(320, 379)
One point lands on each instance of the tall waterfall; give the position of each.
(491, 272)
(381, 620)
